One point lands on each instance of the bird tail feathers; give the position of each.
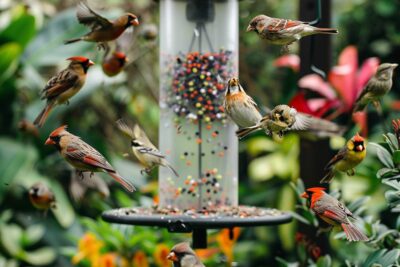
(327, 30)
(72, 40)
(353, 233)
(128, 186)
(246, 131)
(41, 118)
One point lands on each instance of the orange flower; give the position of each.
(160, 255)
(140, 259)
(226, 243)
(111, 260)
(88, 248)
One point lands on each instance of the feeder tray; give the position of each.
(197, 222)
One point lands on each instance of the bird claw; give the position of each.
(145, 171)
(80, 174)
(351, 172)
(285, 49)
(103, 46)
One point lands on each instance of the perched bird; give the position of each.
(28, 127)
(82, 156)
(102, 29)
(42, 197)
(114, 62)
(60, 88)
(333, 212)
(346, 159)
(147, 154)
(376, 88)
(239, 106)
(182, 255)
(284, 31)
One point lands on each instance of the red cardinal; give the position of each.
(333, 212)
(60, 88)
(103, 30)
(114, 64)
(82, 156)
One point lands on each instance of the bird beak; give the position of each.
(91, 63)
(249, 28)
(49, 142)
(359, 148)
(135, 22)
(172, 257)
(304, 195)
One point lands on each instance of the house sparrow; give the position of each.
(42, 197)
(60, 88)
(182, 255)
(333, 212)
(376, 88)
(102, 29)
(82, 156)
(147, 154)
(284, 31)
(239, 106)
(352, 154)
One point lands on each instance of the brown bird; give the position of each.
(82, 156)
(182, 255)
(102, 29)
(239, 106)
(60, 88)
(78, 186)
(333, 212)
(376, 88)
(42, 197)
(284, 31)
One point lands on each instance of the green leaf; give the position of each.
(33, 234)
(396, 157)
(324, 261)
(383, 155)
(21, 30)
(10, 236)
(10, 54)
(383, 257)
(40, 257)
(386, 173)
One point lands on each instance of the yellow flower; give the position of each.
(160, 255)
(140, 259)
(226, 243)
(88, 248)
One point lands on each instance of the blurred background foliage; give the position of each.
(31, 48)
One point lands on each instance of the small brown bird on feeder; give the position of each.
(182, 255)
(284, 31)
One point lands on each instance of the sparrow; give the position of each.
(239, 106)
(82, 156)
(42, 197)
(79, 186)
(102, 29)
(61, 87)
(348, 157)
(284, 31)
(182, 255)
(147, 154)
(114, 63)
(333, 212)
(376, 88)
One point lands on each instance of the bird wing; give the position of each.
(124, 42)
(366, 90)
(339, 156)
(87, 154)
(303, 122)
(332, 209)
(59, 84)
(282, 24)
(151, 151)
(125, 129)
(90, 18)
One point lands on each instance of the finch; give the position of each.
(102, 29)
(333, 212)
(42, 197)
(82, 156)
(352, 154)
(239, 106)
(182, 255)
(284, 31)
(60, 88)
(376, 88)
(147, 154)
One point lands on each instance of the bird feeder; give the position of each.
(198, 52)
